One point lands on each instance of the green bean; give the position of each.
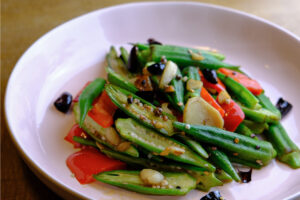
(87, 97)
(84, 141)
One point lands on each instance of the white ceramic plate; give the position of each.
(73, 53)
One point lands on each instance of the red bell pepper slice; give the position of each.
(252, 85)
(76, 131)
(233, 115)
(87, 162)
(209, 99)
(218, 87)
(103, 110)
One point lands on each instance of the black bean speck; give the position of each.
(257, 147)
(210, 75)
(214, 195)
(245, 175)
(284, 107)
(178, 187)
(153, 41)
(130, 100)
(156, 68)
(133, 61)
(63, 102)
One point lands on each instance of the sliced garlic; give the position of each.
(193, 85)
(168, 74)
(224, 97)
(198, 112)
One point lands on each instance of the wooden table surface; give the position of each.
(24, 21)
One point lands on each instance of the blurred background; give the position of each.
(24, 21)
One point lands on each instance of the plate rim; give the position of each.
(55, 185)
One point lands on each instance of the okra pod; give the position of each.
(204, 179)
(238, 145)
(176, 98)
(141, 110)
(192, 74)
(220, 160)
(87, 97)
(244, 130)
(240, 91)
(267, 104)
(116, 64)
(159, 144)
(194, 145)
(183, 56)
(99, 134)
(253, 165)
(178, 183)
(120, 81)
(287, 150)
(256, 127)
(261, 115)
(124, 55)
(223, 176)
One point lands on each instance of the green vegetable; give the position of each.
(191, 73)
(221, 160)
(84, 141)
(205, 180)
(99, 133)
(287, 150)
(180, 183)
(124, 55)
(267, 104)
(244, 130)
(255, 127)
(154, 142)
(87, 97)
(239, 145)
(117, 65)
(118, 80)
(261, 115)
(194, 145)
(253, 165)
(223, 176)
(176, 97)
(240, 91)
(182, 56)
(145, 115)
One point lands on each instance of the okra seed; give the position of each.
(142, 117)
(187, 126)
(124, 105)
(236, 140)
(165, 118)
(185, 78)
(206, 173)
(180, 104)
(252, 135)
(257, 147)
